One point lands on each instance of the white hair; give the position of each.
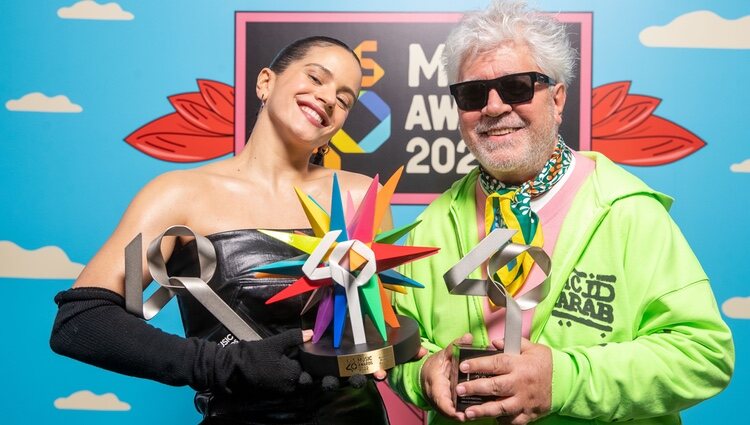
(511, 21)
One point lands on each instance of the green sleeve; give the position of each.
(405, 378)
(683, 356)
(679, 352)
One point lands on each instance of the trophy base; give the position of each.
(322, 359)
(462, 352)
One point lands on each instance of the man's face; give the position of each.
(512, 142)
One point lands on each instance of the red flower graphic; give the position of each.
(624, 129)
(201, 129)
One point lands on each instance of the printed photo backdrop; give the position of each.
(85, 83)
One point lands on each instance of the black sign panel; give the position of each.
(405, 114)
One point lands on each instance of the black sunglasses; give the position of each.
(513, 88)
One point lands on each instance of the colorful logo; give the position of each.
(342, 141)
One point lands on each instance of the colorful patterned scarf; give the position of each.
(509, 207)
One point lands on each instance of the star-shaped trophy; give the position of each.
(347, 266)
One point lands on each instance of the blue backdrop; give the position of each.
(67, 175)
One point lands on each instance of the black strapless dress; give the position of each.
(237, 252)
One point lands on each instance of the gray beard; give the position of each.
(537, 151)
(535, 154)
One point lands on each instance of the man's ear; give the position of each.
(559, 96)
(264, 83)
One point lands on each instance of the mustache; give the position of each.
(496, 123)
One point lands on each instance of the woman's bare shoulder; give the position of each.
(170, 186)
(355, 182)
(188, 182)
(172, 195)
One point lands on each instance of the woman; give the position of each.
(306, 95)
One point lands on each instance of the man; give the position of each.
(629, 330)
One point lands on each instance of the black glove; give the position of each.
(93, 326)
(263, 365)
(333, 383)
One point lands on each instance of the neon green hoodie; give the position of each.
(631, 319)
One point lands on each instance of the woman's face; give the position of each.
(310, 100)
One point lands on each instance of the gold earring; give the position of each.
(323, 150)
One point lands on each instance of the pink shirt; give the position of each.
(551, 207)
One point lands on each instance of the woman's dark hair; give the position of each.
(299, 48)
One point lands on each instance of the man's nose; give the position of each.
(495, 105)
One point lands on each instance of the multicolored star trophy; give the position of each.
(347, 267)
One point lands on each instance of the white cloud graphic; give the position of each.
(737, 307)
(49, 262)
(742, 167)
(701, 29)
(86, 400)
(89, 9)
(39, 102)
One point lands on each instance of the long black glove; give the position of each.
(93, 326)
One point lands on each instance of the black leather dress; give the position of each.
(237, 252)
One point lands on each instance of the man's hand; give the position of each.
(522, 383)
(436, 380)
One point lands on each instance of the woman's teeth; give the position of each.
(312, 114)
